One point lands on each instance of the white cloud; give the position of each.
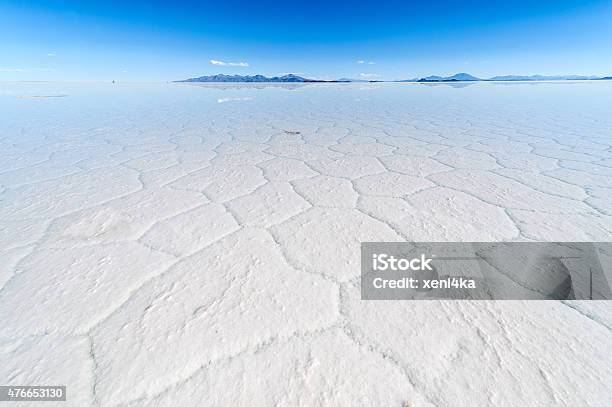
(368, 75)
(221, 63)
(361, 62)
(11, 70)
(50, 54)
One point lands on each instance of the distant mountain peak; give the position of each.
(351, 80)
(458, 77)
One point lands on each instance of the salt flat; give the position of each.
(174, 244)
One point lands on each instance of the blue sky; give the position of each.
(153, 41)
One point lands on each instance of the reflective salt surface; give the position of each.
(164, 244)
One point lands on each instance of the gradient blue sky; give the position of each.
(153, 41)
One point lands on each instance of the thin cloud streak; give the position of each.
(13, 70)
(222, 63)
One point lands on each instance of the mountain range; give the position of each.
(465, 77)
(459, 77)
(254, 78)
(542, 78)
